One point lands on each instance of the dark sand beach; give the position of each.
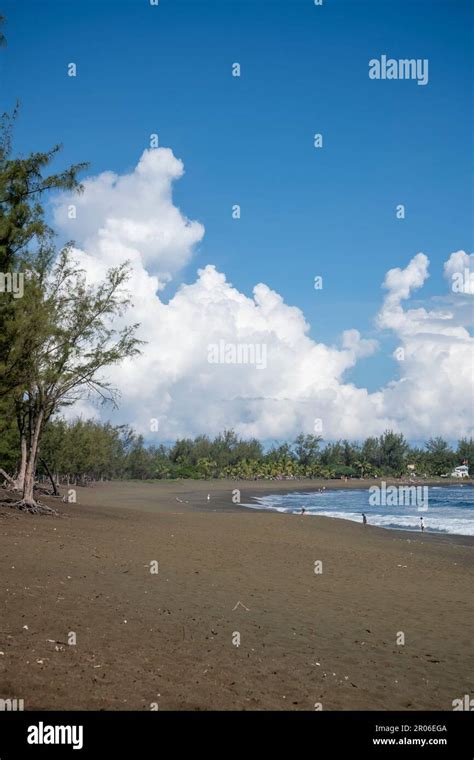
(168, 638)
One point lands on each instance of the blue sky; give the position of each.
(249, 140)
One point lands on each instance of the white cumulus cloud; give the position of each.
(302, 381)
(434, 394)
(132, 217)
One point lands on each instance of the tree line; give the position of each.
(83, 451)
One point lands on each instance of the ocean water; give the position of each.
(450, 508)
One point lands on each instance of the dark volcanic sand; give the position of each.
(167, 638)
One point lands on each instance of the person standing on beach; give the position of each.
(422, 525)
(364, 519)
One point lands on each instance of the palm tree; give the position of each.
(313, 470)
(363, 467)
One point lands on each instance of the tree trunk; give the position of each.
(29, 482)
(20, 479)
(28, 502)
(55, 490)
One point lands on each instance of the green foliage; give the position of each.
(465, 450)
(393, 449)
(441, 459)
(26, 243)
(342, 471)
(86, 449)
(24, 184)
(307, 448)
(89, 450)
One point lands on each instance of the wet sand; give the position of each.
(228, 575)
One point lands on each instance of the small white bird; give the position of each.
(208, 496)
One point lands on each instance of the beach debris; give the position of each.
(241, 605)
(25, 627)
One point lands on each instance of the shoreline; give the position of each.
(191, 495)
(459, 538)
(221, 497)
